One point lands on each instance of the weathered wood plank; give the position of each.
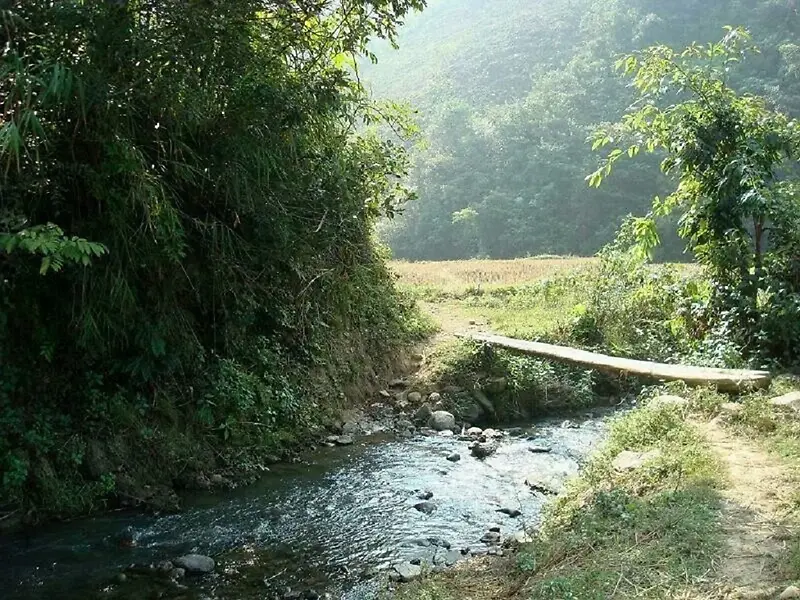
(730, 380)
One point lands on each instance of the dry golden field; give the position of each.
(479, 273)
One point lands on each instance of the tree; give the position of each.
(731, 155)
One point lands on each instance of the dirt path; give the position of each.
(754, 517)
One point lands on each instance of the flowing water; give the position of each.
(331, 524)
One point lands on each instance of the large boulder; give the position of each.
(195, 564)
(789, 402)
(441, 420)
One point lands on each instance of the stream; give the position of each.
(332, 525)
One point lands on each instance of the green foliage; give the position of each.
(507, 92)
(730, 154)
(218, 171)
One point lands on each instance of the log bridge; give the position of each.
(727, 380)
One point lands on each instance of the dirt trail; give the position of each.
(754, 517)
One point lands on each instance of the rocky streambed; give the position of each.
(366, 510)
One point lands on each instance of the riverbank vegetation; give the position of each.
(188, 276)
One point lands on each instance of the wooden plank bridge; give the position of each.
(728, 380)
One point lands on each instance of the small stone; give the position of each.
(668, 400)
(425, 507)
(569, 425)
(494, 528)
(344, 440)
(217, 479)
(491, 433)
(442, 420)
(790, 592)
(521, 537)
(121, 578)
(434, 398)
(292, 595)
(544, 484)
(414, 397)
(446, 433)
(629, 461)
(195, 563)
(452, 557)
(165, 566)
(465, 551)
(398, 383)
(177, 573)
(474, 431)
(539, 449)
(416, 561)
(511, 512)
(406, 572)
(439, 542)
(454, 457)
(731, 410)
(515, 431)
(491, 537)
(790, 401)
(426, 495)
(311, 595)
(385, 394)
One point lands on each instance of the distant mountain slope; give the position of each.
(508, 91)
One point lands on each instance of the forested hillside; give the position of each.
(508, 92)
(186, 219)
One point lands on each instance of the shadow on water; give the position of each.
(331, 524)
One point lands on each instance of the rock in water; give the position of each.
(481, 451)
(195, 564)
(344, 440)
(545, 484)
(423, 414)
(426, 495)
(454, 457)
(425, 507)
(491, 537)
(441, 420)
(406, 572)
(434, 398)
(539, 449)
(474, 432)
(511, 512)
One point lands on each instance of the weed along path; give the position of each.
(754, 523)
